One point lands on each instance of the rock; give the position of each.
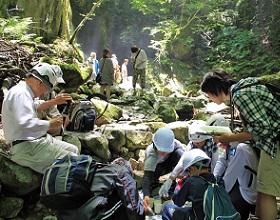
(116, 138)
(97, 144)
(166, 91)
(212, 107)
(134, 163)
(138, 139)
(138, 176)
(182, 105)
(10, 207)
(180, 129)
(72, 139)
(167, 113)
(107, 113)
(17, 179)
(50, 218)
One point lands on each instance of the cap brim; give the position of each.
(60, 80)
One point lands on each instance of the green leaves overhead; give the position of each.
(230, 34)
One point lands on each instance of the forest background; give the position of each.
(182, 38)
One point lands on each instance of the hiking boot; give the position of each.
(134, 93)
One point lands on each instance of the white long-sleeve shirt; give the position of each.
(19, 118)
(236, 168)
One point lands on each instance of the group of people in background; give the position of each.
(110, 70)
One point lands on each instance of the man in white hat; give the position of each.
(46, 104)
(31, 146)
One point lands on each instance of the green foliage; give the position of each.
(241, 52)
(17, 28)
(237, 35)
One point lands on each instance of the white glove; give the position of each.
(163, 192)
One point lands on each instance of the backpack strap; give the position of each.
(102, 66)
(136, 58)
(251, 176)
(209, 183)
(137, 54)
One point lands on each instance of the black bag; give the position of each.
(66, 182)
(98, 78)
(82, 117)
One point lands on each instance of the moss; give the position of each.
(274, 78)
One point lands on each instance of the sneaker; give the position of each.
(253, 217)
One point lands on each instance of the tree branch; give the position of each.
(95, 5)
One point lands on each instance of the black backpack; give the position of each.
(82, 117)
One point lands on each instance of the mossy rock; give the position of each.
(74, 76)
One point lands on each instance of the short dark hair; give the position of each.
(105, 51)
(216, 82)
(134, 49)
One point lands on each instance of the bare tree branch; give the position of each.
(95, 5)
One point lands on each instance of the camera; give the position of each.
(67, 108)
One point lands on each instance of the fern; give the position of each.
(16, 28)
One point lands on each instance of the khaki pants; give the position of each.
(269, 174)
(40, 153)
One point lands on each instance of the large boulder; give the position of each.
(17, 179)
(182, 105)
(167, 113)
(180, 129)
(107, 113)
(95, 143)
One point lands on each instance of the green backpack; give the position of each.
(217, 204)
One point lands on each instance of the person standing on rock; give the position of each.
(138, 59)
(31, 145)
(94, 64)
(107, 73)
(124, 69)
(161, 157)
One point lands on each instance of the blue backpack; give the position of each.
(217, 204)
(66, 182)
